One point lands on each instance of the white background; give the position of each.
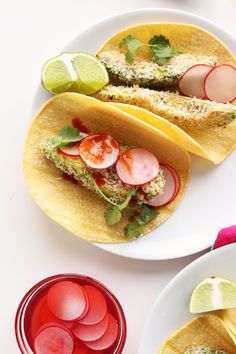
(33, 247)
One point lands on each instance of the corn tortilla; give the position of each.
(206, 331)
(214, 144)
(72, 206)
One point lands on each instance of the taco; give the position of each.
(100, 172)
(149, 79)
(205, 334)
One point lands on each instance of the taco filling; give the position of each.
(150, 74)
(122, 175)
(183, 111)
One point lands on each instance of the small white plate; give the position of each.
(171, 309)
(209, 202)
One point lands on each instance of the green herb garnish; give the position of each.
(133, 230)
(145, 213)
(132, 43)
(66, 136)
(161, 49)
(159, 45)
(113, 214)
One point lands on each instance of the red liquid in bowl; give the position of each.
(34, 312)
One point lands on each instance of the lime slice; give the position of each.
(214, 293)
(76, 72)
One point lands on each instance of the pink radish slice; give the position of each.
(220, 84)
(191, 82)
(66, 300)
(90, 333)
(71, 150)
(108, 339)
(177, 180)
(169, 189)
(53, 339)
(137, 166)
(46, 316)
(99, 150)
(87, 305)
(97, 307)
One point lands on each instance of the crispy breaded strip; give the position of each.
(112, 186)
(148, 74)
(186, 112)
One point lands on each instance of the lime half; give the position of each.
(214, 293)
(75, 72)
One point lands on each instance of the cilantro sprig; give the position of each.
(159, 45)
(113, 214)
(143, 214)
(66, 136)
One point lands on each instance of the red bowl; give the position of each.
(26, 309)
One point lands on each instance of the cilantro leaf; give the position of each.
(159, 41)
(112, 215)
(133, 44)
(67, 135)
(161, 49)
(162, 54)
(133, 230)
(145, 213)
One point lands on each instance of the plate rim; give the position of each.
(181, 274)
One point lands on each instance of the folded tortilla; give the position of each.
(77, 209)
(214, 144)
(206, 331)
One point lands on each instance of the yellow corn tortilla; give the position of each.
(229, 318)
(207, 331)
(78, 210)
(214, 144)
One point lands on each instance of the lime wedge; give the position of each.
(76, 72)
(214, 293)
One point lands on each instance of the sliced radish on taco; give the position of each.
(99, 151)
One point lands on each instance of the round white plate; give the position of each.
(209, 202)
(170, 311)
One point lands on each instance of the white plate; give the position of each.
(170, 311)
(209, 202)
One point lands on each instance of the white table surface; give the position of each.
(32, 246)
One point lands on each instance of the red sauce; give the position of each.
(131, 218)
(99, 180)
(77, 123)
(127, 160)
(87, 148)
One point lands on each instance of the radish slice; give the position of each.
(91, 332)
(66, 300)
(220, 84)
(137, 166)
(99, 151)
(97, 306)
(47, 316)
(177, 180)
(53, 340)
(191, 82)
(71, 150)
(169, 189)
(108, 338)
